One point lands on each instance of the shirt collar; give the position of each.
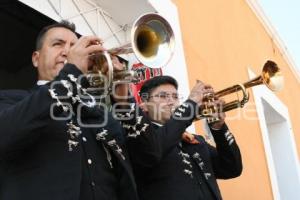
(158, 124)
(41, 82)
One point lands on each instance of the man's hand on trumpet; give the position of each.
(218, 114)
(204, 95)
(199, 92)
(80, 53)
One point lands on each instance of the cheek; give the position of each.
(47, 61)
(152, 109)
(51, 68)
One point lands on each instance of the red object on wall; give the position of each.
(145, 73)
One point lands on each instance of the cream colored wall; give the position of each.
(221, 39)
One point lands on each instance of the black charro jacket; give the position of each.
(166, 173)
(35, 160)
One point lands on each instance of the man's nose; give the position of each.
(65, 50)
(171, 99)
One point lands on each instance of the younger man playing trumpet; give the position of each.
(180, 170)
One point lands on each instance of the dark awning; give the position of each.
(20, 25)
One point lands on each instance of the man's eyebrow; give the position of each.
(58, 40)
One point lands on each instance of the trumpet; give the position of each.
(152, 42)
(271, 77)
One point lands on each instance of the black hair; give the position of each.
(155, 82)
(63, 24)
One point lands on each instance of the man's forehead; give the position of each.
(169, 88)
(60, 33)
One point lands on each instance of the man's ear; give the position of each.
(143, 106)
(35, 58)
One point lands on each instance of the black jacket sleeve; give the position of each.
(20, 123)
(226, 157)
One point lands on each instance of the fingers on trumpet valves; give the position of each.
(212, 107)
(207, 92)
(92, 40)
(207, 108)
(209, 96)
(93, 44)
(99, 41)
(201, 93)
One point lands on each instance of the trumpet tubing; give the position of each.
(270, 76)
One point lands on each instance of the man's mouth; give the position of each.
(62, 62)
(168, 110)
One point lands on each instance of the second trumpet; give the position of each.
(270, 77)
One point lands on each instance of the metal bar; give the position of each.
(108, 25)
(81, 13)
(55, 10)
(99, 8)
(84, 18)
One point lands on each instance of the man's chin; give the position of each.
(58, 68)
(167, 115)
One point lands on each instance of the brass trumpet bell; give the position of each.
(152, 42)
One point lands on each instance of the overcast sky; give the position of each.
(285, 17)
